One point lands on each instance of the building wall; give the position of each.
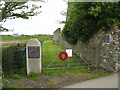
(95, 52)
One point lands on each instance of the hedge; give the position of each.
(14, 59)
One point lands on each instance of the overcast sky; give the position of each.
(44, 23)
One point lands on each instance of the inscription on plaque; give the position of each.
(33, 52)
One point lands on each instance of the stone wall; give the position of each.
(96, 52)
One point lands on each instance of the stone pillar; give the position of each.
(33, 55)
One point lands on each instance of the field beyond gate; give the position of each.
(50, 59)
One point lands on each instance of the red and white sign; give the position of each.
(69, 52)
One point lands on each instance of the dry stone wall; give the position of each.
(96, 52)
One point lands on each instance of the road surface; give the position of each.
(110, 81)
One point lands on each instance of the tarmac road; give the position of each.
(110, 81)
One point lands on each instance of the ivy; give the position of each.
(84, 19)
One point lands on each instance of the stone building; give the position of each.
(103, 49)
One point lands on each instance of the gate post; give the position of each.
(33, 55)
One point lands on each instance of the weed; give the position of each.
(28, 86)
(100, 75)
(18, 84)
(33, 76)
(5, 84)
(53, 82)
(14, 76)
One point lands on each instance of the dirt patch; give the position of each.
(42, 82)
(27, 83)
(46, 81)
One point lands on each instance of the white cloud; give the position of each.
(44, 23)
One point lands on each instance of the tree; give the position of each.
(84, 19)
(12, 10)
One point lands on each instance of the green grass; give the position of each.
(33, 76)
(50, 53)
(25, 37)
(5, 85)
(18, 84)
(14, 76)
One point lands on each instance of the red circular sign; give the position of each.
(63, 58)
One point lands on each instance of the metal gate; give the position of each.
(53, 62)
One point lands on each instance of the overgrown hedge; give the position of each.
(14, 59)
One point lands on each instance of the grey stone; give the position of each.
(33, 55)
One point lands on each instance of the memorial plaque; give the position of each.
(107, 38)
(33, 52)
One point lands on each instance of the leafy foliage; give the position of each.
(12, 10)
(14, 76)
(10, 7)
(84, 19)
(5, 84)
